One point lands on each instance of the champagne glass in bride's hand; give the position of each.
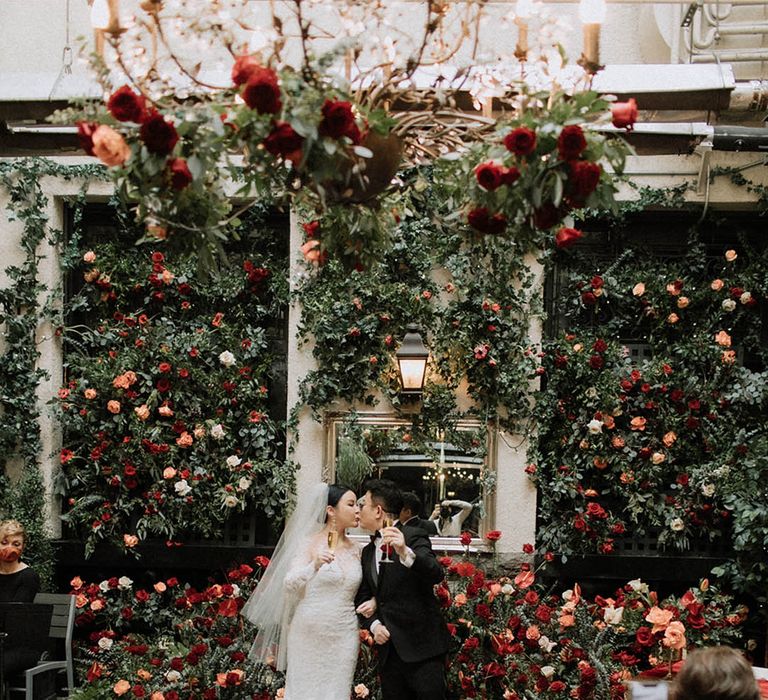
(386, 557)
(333, 539)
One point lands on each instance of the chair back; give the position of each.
(62, 625)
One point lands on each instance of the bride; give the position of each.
(304, 604)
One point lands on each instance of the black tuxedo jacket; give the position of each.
(406, 602)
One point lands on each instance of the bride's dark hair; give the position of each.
(335, 492)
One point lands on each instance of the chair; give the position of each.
(39, 682)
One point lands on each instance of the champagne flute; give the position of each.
(386, 557)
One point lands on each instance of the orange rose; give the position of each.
(165, 411)
(113, 407)
(184, 440)
(683, 302)
(160, 587)
(600, 462)
(723, 339)
(659, 618)
(617, 442)
(109, 146)
(142, 412)
(460, 600)
(130, 541)
(658, 457)
(532, 633)
(730, 255)
(716, 285)
(673, 318)
(143, 674)
(638, 290)
(674, 635)
(90, 393)
(121, 687)
(637, 423)
(729, 357)
(669, 439)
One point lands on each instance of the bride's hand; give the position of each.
(324, 556)
(367, 608)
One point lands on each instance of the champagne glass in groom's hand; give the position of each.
(386, 557)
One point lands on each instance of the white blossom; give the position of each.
(217, 431)
(638, 586)
(227, 358)
(230, 500)
(595, 426)
(124, 583)
(745, 298)
(233, 461)
(613, 615)
(729, 305)
(104, 586)
(182, 487)
(172, 676)
(545, 644)
(547, 671)
(677, 525)
(244, 484)
(708, 490)
(105, 644)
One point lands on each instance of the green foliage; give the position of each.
(25, 304)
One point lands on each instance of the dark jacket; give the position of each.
(405, 598)
(429, 526)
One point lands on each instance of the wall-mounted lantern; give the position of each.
(412, 359)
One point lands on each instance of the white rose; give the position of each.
(172, 676)
(708, 490)
(547, 671)
(217, 431)
(507, 589)
(235, 590)
(677, 525)
(729, 305)
(595, 426)
(124, 583)
(104, 586)
(233, 461)
(545, 644)
(244, 484)
(613, 615)
(591, 392)
(105, 644)
(227, 358)
(230, 500)
(182, 487)
(745, 298)
(638, 586)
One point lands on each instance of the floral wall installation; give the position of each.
(166, 408)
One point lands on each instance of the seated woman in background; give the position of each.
(715, 673)
(18, 582)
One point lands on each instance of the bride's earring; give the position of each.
(333, 534)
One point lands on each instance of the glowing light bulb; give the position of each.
(100, 14)
(592, 11)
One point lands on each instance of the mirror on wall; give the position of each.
(450, 468)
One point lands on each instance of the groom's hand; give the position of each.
(381, 634)
(367, 608)
(395, 538)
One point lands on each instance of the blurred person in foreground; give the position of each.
(715, 673)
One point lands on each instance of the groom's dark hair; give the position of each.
(385, 493)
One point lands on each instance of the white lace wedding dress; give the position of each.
(323, 638)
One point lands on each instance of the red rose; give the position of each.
(466, 539)
(85, 135)
(489, 175)
(566, 237)
(571, 142)
(243, 67)
(311, 229)
(596, 362)
(180, 175)
(158, 135)
(547, 215)
(509, 176)
(480, 220)
(583, 178)
(339, 121)
(126, 106)
(521, 141)
(644, 636)
(262, 92)
(624, 114)
(554, 687)
(493, 535)
(284, 141)
(596, 511)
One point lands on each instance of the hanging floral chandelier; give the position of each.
(211, 106)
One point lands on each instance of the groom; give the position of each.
(407, 625)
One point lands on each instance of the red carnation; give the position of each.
(583, 178)
(85, 135)
(566, 237)
(262, 92)
(571, 142)
(489, 175)
(624, 114)
(521, 141)
(158, 135)
(126, 106)
(339, 121)
(284, 141)
(480, 220)
(180, 175)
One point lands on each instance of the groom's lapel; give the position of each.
(369, 563)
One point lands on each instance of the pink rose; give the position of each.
(109, 146)
(674, 635)
(624, 114)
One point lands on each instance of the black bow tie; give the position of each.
(375, 536)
